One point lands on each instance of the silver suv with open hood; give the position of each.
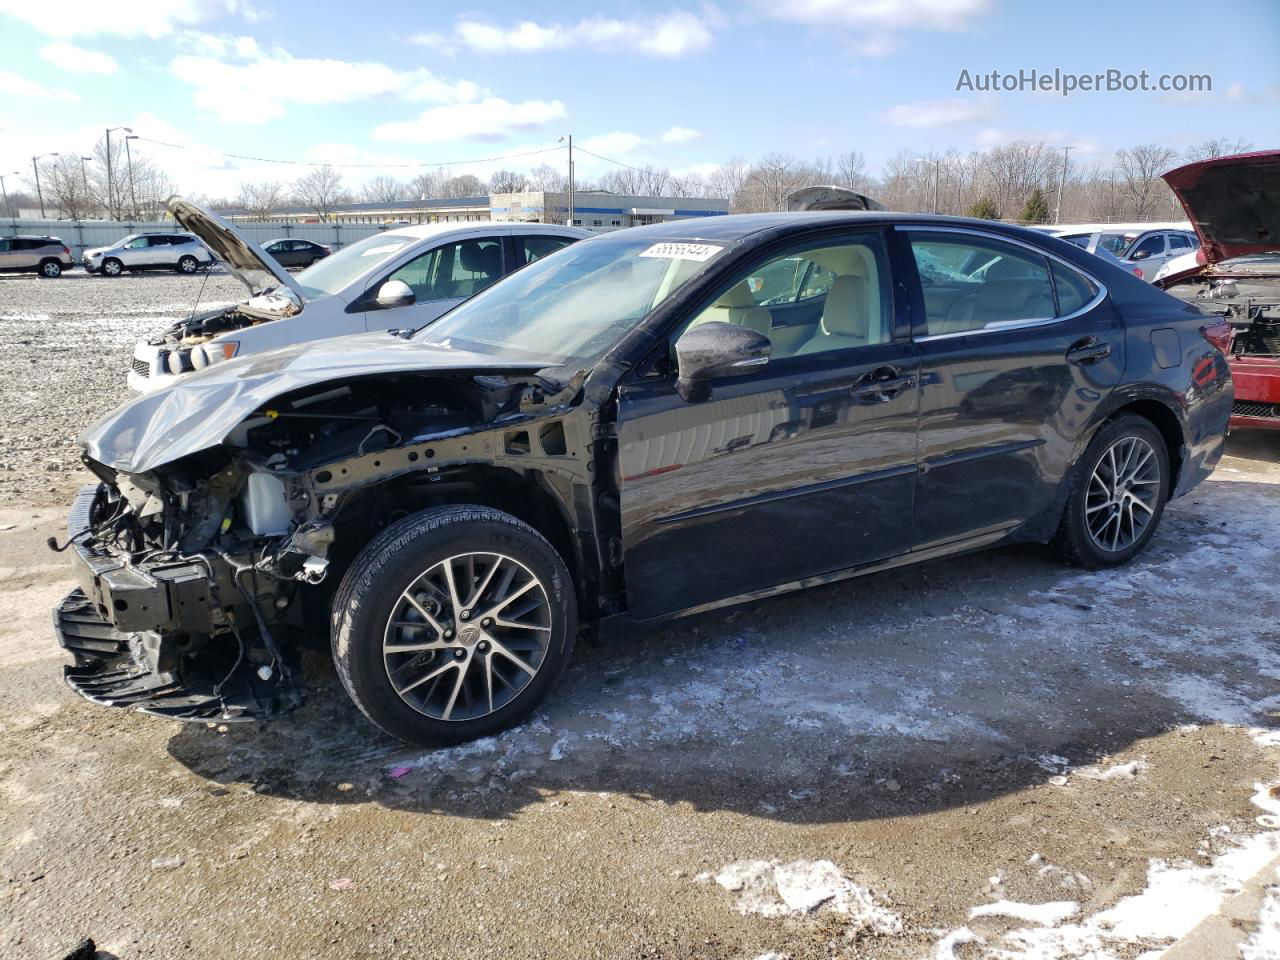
(403, 278)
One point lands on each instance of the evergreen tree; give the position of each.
(1036, 209)
(985, 209)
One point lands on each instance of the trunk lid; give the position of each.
(1233, 203)
(256, 270)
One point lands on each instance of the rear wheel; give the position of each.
(453, 624)
(1118, 491)
(51, 269)
(112, 267)
(188, 264)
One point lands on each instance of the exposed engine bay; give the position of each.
(183, 346)
(1250, 305)
(202, 579)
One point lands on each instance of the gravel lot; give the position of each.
(995, 758)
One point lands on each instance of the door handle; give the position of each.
(882, 385)
(1087, 351)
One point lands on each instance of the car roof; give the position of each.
(426, 231)
(32, 236)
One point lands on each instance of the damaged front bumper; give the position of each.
(162, 639)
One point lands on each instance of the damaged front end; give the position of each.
(229, 507)
(183, 610)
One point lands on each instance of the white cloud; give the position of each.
(939, 113)
(257, 91)
(19, 87)
(681, 135)
(77, 59)
(882, 14)
(490, 119)
(151, 18)
(675, 34)
(877, 22)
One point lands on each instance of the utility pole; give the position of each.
(1057, 213)
(111, 200)
(569, 222)
(133, 195)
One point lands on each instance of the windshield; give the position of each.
(326, 277)
(1116, 243)
(573, 305)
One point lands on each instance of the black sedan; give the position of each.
(292, 252)
(648, 423)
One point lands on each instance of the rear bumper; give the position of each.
(1257, 403)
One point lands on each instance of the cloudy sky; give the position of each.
(681, 86)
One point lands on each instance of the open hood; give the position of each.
(200, 409)
(257, 271)
(1233, 203)
(830, 198)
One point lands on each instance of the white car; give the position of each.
(149, 251)
(401, 279)
(1144, 252)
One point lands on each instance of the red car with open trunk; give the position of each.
(1234, 205)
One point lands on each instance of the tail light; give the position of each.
(1137, 272)
(1218, 334)
(67, 251)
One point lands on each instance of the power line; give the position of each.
(362, 166)
(598, 156)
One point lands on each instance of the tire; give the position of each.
(1103, 526)
(51, 269)
(471, 683)
(188, 264)
(111, 267)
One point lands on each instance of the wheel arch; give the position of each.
(1161, 409)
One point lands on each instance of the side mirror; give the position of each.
(714, 350)
(395, 293)
(1141, 255)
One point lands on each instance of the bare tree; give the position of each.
(851, 170)
(320, 190)
(728, 179)
(261, 200)
(549, 178)
(429, 185)
(1138, 171)
(467, 185)
(507, 181)
(386, 190)
(64, 182)
(19, 199)
(1216, 147)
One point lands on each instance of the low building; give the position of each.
(595, 210)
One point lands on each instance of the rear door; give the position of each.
(1017, 350)
(799, 469)
(530, 247)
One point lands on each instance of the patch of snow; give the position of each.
(1118, 771)
(1264, 942)
(771, 888)
(1046, 914)
(945, 949)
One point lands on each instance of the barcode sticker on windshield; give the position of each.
(683, 251)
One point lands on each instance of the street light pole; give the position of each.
(5, 191)
(569, 222)
(35, 167)
(133, 195)
(111, 199)
(1057, 213)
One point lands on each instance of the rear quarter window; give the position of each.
(1073, 290)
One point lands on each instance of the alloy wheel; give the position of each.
(51, 269)
(467, 636)
(1124, 490)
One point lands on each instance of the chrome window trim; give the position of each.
(1003, 326)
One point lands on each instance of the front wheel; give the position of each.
(452, 624)
(112, 267)
(1118, 491)
(188, 265)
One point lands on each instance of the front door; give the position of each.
(1017, 350)
(803, 467)
(441, 278)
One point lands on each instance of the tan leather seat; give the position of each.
(738, 307)
(1006, 294)
(846, 317)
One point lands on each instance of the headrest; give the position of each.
(1007, 269)
(1007, 295)
(480, 258)
(852, 260)
(846, 312)
(739, 295)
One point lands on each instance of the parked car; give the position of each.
(401, 278)
(1144, 251)
(658, 421)
(1236, 273)
(149, 251)
(47, 256)
(295, 252)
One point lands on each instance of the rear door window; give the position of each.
(533, 248)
